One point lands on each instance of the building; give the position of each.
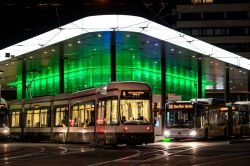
(80, 55)
(225, 24)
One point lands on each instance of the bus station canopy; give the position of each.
(185, 47)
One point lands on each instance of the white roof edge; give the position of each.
(124, 23)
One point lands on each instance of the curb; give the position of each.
(239, 141)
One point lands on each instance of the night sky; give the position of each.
(22, 20)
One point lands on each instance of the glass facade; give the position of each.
(87, 61)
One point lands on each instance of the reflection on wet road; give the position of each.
(159, 153)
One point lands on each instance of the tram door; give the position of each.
(106, 121)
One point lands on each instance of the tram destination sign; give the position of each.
(133, 94)
(180, 106)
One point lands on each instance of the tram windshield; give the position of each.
(135, 107)
(3, 118)
(180, 116)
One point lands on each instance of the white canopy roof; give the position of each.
(123, 23)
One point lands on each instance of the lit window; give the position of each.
(15, 119)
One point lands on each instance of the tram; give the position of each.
(4, 123)
(241, 117)
(198, 118)
(117, 113)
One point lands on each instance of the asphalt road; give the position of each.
(211, 152)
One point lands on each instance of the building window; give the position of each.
(237, 15)
(196, 32)
(187, 31)
(190, 16)
(213, 15)
(238, 31)
(201, 1)
(219, 32)
(208, 32)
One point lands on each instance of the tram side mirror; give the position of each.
(156, 122)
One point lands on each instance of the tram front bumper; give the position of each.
(136, 138)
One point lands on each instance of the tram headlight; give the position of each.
(125, 128)
(5, 131)
(166, 133)
(193, 133)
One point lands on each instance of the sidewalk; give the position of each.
(158, 138)
(240, 140)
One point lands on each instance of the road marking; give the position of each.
(25, 155)
(120, 159)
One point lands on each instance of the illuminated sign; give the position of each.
(179, 106)
(223, 109)
(135, 93)
(130, 94)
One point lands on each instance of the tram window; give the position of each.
(61, 118)
(107, 112)
(75, 120)
(29, 120)
(15, 116)
(204, 119)
(82, 115)
(198, 121)
(43, 118)
(235, 117)
(101, 115)
(111, 112)
(243, 117)
(114, 113)
(89, 114)
(222, 118)
(131, 109)
(212, 116)
(36, 118)
(81, 119)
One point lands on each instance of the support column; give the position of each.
(226, 85)
(248, 86)
(23, 79)
(113, 55)
(163, 81)
(199, 78)
(22, 119)
(61, 68)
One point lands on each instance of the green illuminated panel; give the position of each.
(87, 64)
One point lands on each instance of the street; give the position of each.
(211, 152)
